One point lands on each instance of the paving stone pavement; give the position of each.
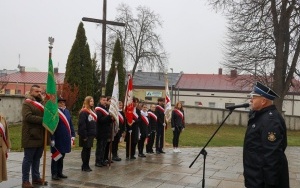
(171, 170)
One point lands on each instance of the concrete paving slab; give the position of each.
(224, 169)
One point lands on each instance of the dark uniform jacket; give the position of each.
(159, 112)
(152, 121)
(104, 121)
(265, 164)
(177, 120)
(144, 125)
(62, 136)
(134, 128)
(86, 126)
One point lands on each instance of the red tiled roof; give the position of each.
(33, 77)
(212, 82)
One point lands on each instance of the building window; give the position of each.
(198, 103)
(212, 104)
(148, 98)
(7, 91)
(18, 92)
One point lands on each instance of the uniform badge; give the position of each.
(253, 126)
(271, 136)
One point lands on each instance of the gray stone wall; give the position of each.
(10, 107)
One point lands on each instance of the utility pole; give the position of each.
(104, 22)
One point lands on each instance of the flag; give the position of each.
(129, 101)
(56, 155)
(114, 105)
(51, 117)
(168, 107)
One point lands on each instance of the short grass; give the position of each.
(192, 136)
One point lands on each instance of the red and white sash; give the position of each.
(121, 118)
(65, 121)
(160, 108)
(145, 120)
(2, 131)
(152, 115)
(36, 104)
(135, 115)
(102, 110)
(93, 114)
(178, 112)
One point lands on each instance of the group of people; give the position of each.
(264, 160)
(148, 124)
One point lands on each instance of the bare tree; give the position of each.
(263, 40)
(142, 45)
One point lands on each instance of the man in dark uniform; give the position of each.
(264, 160)
(160, 113)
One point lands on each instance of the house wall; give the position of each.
(11, 107)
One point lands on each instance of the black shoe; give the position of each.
(104, 163)
(62, 176)
(116, 158)
(157, 152)
(142, 155)
(86, 169)
(55, 177)
(98, 165)
(162, 151)
(132, 157)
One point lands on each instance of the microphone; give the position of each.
(245, 105)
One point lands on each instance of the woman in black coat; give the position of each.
(178, 125)
(87, 131)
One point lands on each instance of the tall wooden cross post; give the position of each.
(104, 22)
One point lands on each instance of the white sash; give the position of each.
(65, 121)
(160, 108)
(152, 115)
(102, 110)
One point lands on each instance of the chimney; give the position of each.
(22, 68)
(55, 70)
(220, 71)
(233, 73)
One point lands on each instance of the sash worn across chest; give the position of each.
(135, 115)
(121, 118)
(2, 131)
(152, 115)
(64, 120)
(145, 119)
(160, 108)
(36, 104)
(93, 114)
(102, 110)
(179, 113)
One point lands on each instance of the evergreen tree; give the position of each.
(97, 79)
(117, 57)
(79, 69)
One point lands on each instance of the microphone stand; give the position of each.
(203, 151)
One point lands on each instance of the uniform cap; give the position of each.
(262, 90)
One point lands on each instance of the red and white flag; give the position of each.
(129, 101)
(56, 155)
(168, 107)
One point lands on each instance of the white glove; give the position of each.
(173, 128)
(52, 143)
(164, 124)
(182, 129)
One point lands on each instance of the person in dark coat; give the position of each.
(132, 131)
(160, 113)
(178, 125)
(120, 133)
(143, 129)
(264, 160)
(87, 131)
(152, 129)
(62, 139)
(103, 131)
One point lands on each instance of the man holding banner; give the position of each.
(32, 136)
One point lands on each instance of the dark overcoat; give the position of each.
(264, 160)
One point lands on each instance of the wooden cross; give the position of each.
(104, 22)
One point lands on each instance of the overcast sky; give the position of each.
(192, 32)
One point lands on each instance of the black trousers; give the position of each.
(107, 148)
(159, 142)
(176, 134)
(141, 144)
(85, 157)
(57, 166)
(100, 150)
(133, 148)
(149, 146)
(115, 144)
